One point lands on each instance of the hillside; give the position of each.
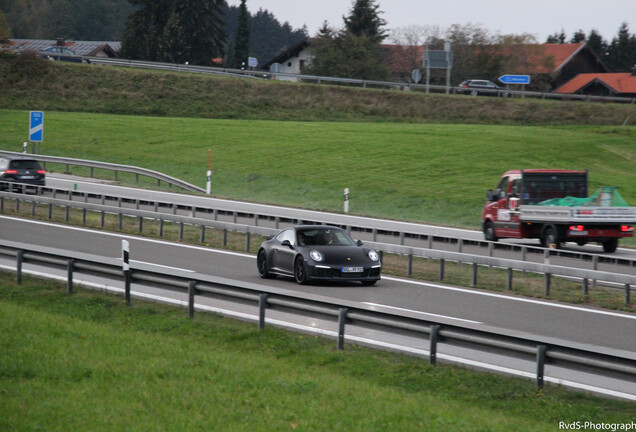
(30, 83)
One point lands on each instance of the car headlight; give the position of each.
(373, 255)
(316, 256)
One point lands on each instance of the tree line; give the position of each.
(163, 30)
(202, 31)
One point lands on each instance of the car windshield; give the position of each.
(24, 164)
(324, 237)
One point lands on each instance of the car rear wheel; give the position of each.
(263, 265)
(300, 271)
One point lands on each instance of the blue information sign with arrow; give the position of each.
(36, 126)
(515, 79)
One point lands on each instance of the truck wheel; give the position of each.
(550, 239)
(610, 245)
(489, 232)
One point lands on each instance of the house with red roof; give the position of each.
(549, 65)
(602, 84)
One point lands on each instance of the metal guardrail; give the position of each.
(108, 166)
(349, 81)
(543, 351)
(585, 275)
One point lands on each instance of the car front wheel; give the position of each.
(300, 271)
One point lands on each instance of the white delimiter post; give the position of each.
(208, 188)
(346, 200)
(125, 264)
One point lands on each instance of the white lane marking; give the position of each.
(407, 281)
(422, 313)
(370, 342)
(117, 235)
(511, 298)
(276, 209)
(162, 266)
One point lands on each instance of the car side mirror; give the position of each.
(359, 242)
(287, 243)
(489, 195)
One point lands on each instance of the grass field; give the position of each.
(88, 362)
(432, 173)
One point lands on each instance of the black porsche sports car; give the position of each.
(318, 252)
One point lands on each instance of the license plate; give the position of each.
(27, 177)
(352, 269)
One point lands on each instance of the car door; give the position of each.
(283, 252)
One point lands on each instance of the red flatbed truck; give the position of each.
(513, 210)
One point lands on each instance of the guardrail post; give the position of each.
(409, 265)
(402, 239)
(247, 241)
(50, 213)
(69, 271)
(262, 305)
(432, 358)
(430, 242)
(474, 280)
(19, 259)
(160, 227)
(586, 288)
(594, 267)
(202, 237)
(32, 208)
(342, 318)
(541, 350)
(121, 221)
(375, 234)
(510, 279)
(548, 278)
(627, 294)
(181, 231)
(141, 224)
(1, 204)
(224, 236)
(191, 292)
(441, 269)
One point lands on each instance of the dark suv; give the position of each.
(482, 87)
(21, 170)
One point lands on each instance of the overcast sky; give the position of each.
(540, 18)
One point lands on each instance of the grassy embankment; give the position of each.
(88, 362)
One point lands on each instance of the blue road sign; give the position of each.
(36, 126)
(515, 79)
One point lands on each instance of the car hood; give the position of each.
(342, 255)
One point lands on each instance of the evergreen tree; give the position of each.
(364, 20)
(596, 42)
(622, 51)
(354, 52)
(5, 30)
(175, 31)
(578, 36)
(242, 39)
(202, 24)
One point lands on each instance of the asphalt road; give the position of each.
(80, 184)
(586, 326)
